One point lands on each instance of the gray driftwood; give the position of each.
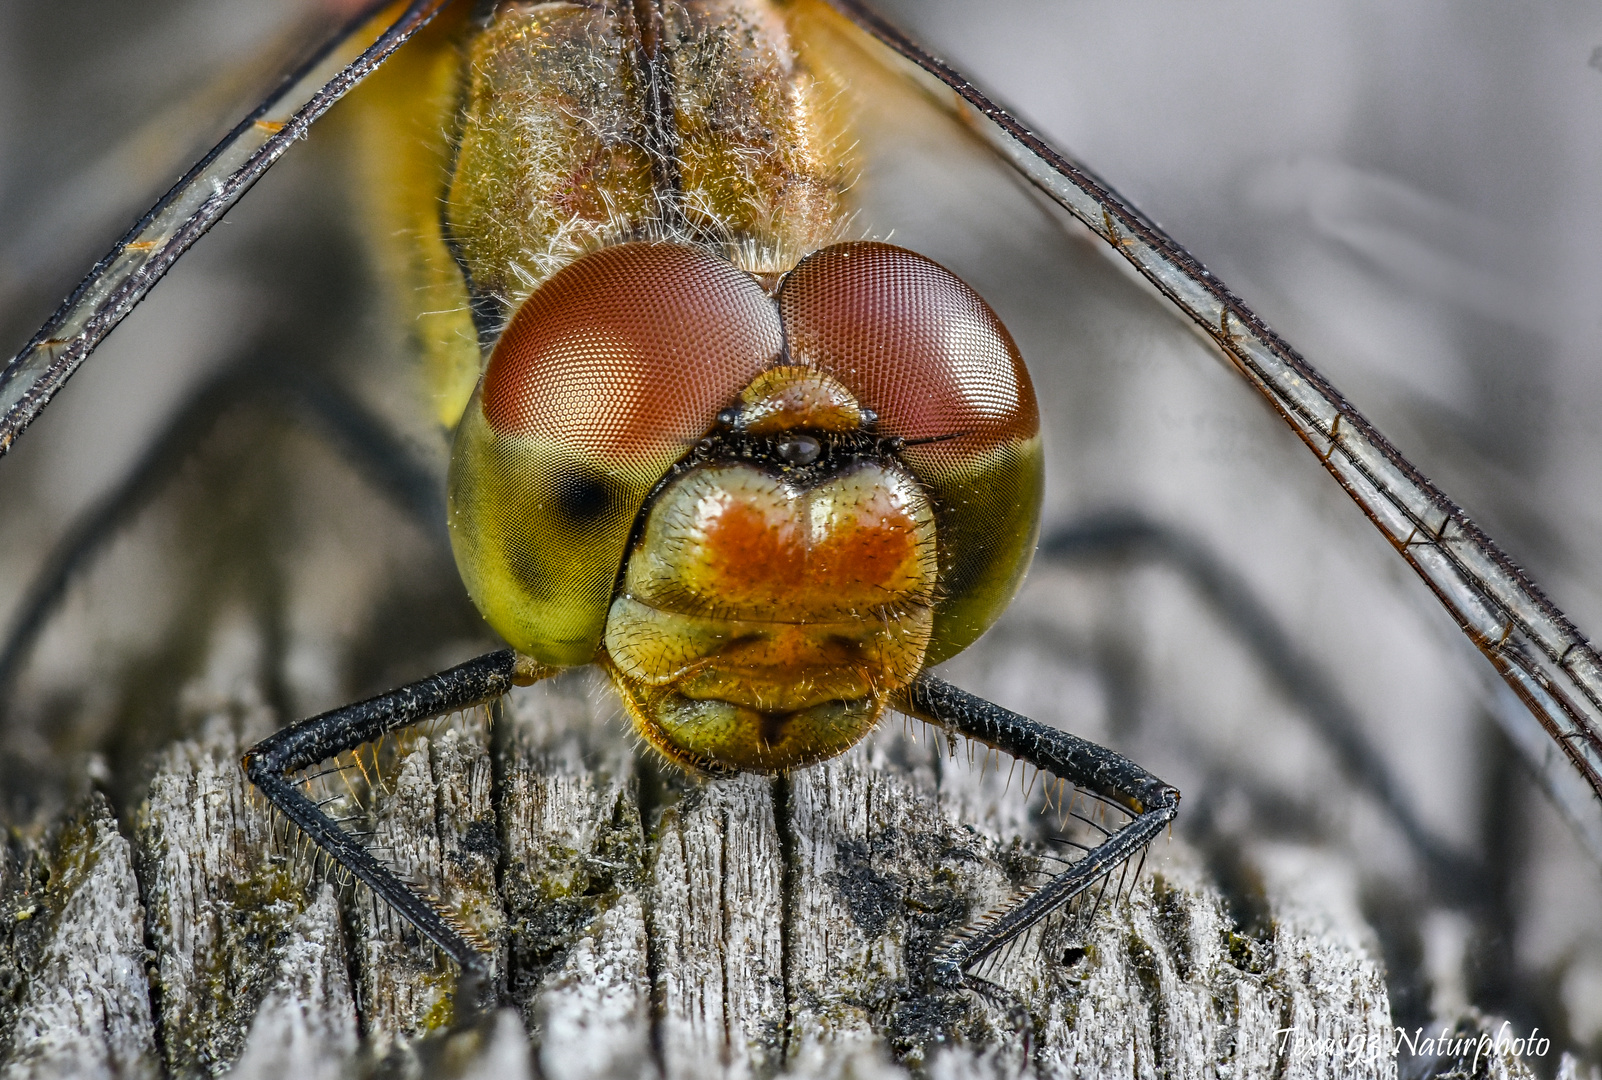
(649, 927)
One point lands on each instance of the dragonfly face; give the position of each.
(861, 498)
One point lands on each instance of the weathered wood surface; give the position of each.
(649, 927)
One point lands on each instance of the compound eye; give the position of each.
(800, 450)
(630, 351)
(916, 345)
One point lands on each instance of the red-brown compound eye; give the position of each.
(603, 379)
(629, 350)
(915, 344)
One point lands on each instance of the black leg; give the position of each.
(1150, 803)
(270, 762)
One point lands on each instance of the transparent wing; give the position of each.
(1204, 600)
(1540, 654)
(197, 202)
(76, 177)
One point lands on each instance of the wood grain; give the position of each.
(647, 925)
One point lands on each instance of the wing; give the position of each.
(1531, 644)
(197, 202)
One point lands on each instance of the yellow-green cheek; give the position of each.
(988, 523)
(541, 576)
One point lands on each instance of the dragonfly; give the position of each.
(1532, 645)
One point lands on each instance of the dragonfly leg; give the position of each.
(1150, 804)
(271, 763)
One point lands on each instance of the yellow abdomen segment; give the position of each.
(400, 123)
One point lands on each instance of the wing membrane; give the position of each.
(197, 202)
(1535, 648)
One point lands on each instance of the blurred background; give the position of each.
(1408, 194)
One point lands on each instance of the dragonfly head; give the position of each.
(762, 512)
